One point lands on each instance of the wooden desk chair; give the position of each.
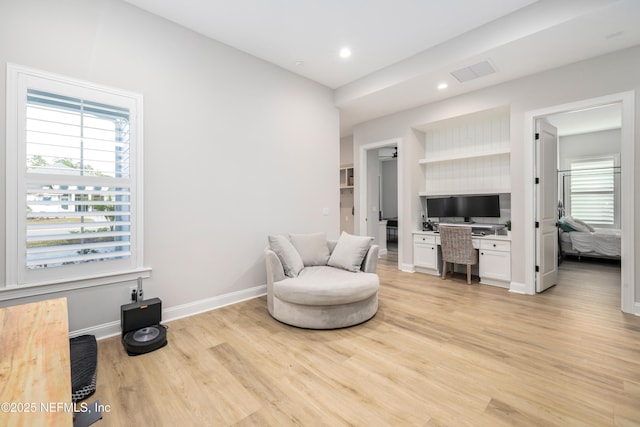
(457, 248)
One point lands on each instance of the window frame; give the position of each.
(616, 185)
(19, 281)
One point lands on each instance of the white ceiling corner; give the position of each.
(403, 49)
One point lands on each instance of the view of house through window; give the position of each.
(77, 155)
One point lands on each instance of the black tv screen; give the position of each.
(478, 206)
(481, 206)
(441, 207)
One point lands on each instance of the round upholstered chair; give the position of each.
(322, 284)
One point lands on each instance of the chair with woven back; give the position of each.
(457, 248)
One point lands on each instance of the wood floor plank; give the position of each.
(437, 353)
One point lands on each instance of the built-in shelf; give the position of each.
(347, 180)
(449, 158)
(346, 177)
(504, 189)
(467, 154)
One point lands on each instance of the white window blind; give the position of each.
(78, 188)
(75, 207)
(593, 191)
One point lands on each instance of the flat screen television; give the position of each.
(441, 207)
(481, 206)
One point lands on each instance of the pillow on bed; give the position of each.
(590, 228)
(564, 226)
(578, 225)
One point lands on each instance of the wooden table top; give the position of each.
(35, 369)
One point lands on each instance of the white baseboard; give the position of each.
(408, 268)
(636, 308)
(382, 252)
(201, 306)
(431, 271)
(105, 330)
(518, 288)
(111, 329)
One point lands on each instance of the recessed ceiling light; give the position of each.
(345, 52)
(442, 86)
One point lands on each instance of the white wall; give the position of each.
(591, 144)
(389, 173)
(235, 148)
(346, 195)
(608, 74)
(346, 150)
(373, 195)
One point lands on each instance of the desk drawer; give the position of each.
(421, 238)
(495, 245)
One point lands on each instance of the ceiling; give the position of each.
(604, 117)
(402, 49)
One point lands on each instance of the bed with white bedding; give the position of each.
(601, 243)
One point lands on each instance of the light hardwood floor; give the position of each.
(438, 353)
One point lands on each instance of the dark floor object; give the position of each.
(141, 328)
(87, 415)
(84, 364)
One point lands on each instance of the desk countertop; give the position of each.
(488, 236)
(35, 369)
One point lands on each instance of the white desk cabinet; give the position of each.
(494, 257)
(425, 253)
(495, 262)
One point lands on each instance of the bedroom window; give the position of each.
(73, 152)
(593, 191)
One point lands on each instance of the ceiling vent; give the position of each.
(473, 72)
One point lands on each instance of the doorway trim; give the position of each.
(627, 180)
(363, 207)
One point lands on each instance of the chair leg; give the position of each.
(468, 274)
(444, 270)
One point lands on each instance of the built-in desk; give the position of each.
(35, 369)
(494, 266)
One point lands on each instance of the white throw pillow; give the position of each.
(289, 256)
(350, 251)
(590, 228)
(313, 248)
(577, 225)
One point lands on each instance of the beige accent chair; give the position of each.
(457, 248)
(333, 289)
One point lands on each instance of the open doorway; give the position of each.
(379, 213)
(587, 191)
(388, 188)
(611, 212)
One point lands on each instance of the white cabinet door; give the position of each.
(495, 265)
(495, 262)
(425, 255)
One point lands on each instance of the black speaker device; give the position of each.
(141, 328)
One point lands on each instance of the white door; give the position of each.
(546, 205)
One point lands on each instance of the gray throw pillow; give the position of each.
(289, 256)
(313, 248)
(350, 251)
